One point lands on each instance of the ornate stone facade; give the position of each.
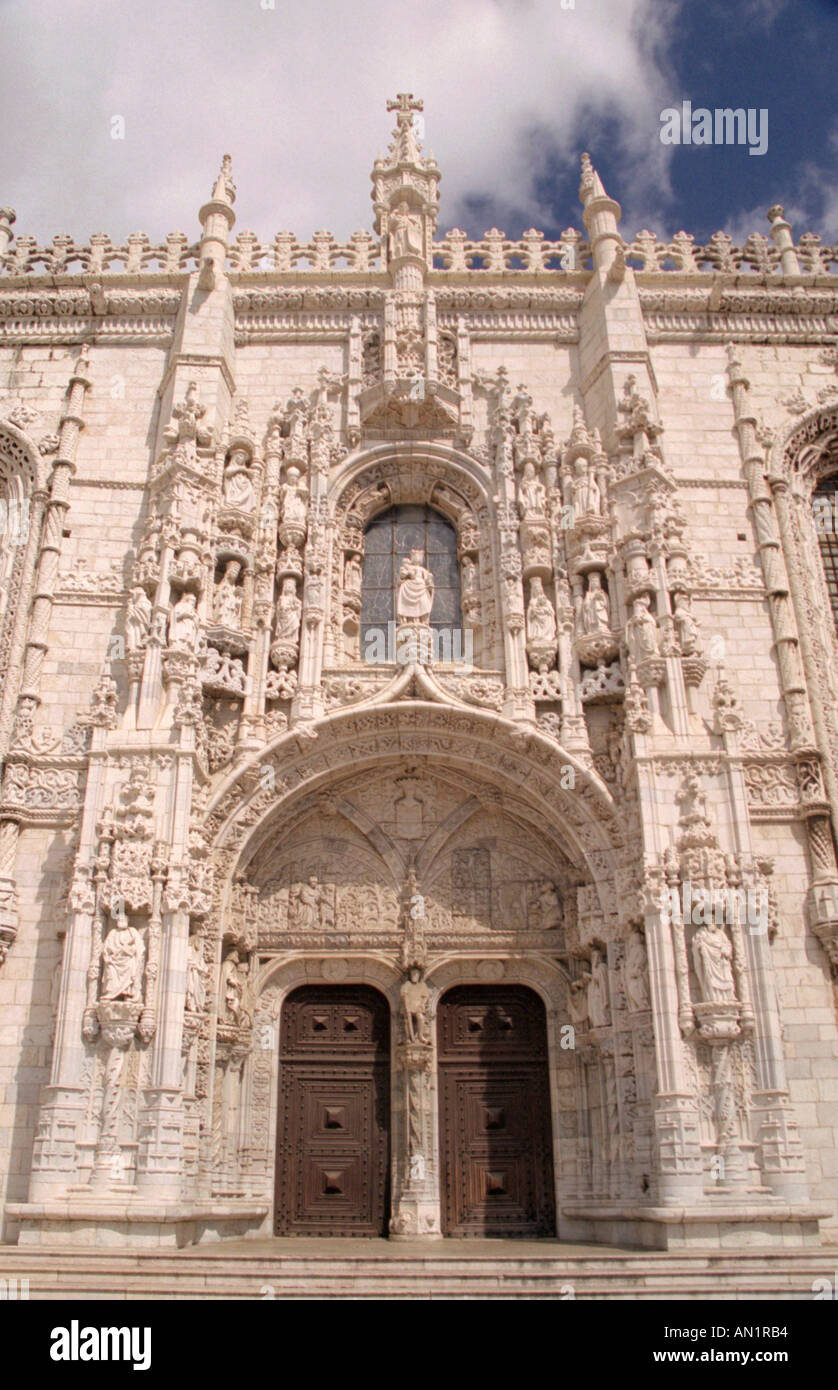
(619, 790)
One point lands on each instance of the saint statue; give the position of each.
(352, 574)
(405, 232)
(306, 906)
(541, 617)
(596, 610)
(598, 991)
(196, 976)
(585, 490)
(228, 596)
(416, 998)
(532, 495)
(122, 963)
(293, 495)
(288, 610)
(416, 590)
(183, 624)
(641, 631)
(238, 483)
(712, 957)
(685, 625)
(636, 971)
(469, 573)
(577, 1000)
(138, 619)
(233, 989)
(549, 907)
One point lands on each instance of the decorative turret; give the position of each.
(600, 215)
(406, 193)
(783, 240)
(7, 217)
(217, 219)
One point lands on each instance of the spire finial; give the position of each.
(225, 190)
(405, 147)
(591, 185)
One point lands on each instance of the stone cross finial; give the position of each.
(405, 105)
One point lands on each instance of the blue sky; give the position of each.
(513, 89)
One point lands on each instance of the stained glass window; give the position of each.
(390, 537)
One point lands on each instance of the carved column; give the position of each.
(308, 703)
(64, 1099)
(56, 507)
(674, 1104)
(791, 635)
(160, 1152)
(416, 1207)
(781, 1151)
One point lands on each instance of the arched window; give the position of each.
(825, 515)
(389, 539)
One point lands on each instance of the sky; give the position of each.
(514, 90)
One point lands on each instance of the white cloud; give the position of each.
(296, 94)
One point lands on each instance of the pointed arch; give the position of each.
(397, 473)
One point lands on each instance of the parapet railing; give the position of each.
(759, 255)
(454, 252)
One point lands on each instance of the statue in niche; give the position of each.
(416, 1001)
(233, 991)
(314, 584)
(293, 495)
(541, 617)
(598, 991)
(288, 610)
(636, 973)
(585, 491)
(685, 625)
(596, 610)
(712, 958)
(138, 619)
(416, 590)
(228, 596)
(549, 907)
(352, 574)
(405, 232)
(577, 1000)
(183, 624)
(469, 574)
(532, 495)
(196, 975)
(238, 483)
(122, 963)
(641, 631)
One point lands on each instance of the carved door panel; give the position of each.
(496, 1151)
(334, 1101)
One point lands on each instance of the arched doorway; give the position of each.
(333, 1137)
(496, 1153)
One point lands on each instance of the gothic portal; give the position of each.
(419, 731)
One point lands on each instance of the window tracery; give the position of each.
(389, 540)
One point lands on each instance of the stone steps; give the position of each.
(374, 1272)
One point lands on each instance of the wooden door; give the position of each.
(496, 1151)
(334, 1103)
